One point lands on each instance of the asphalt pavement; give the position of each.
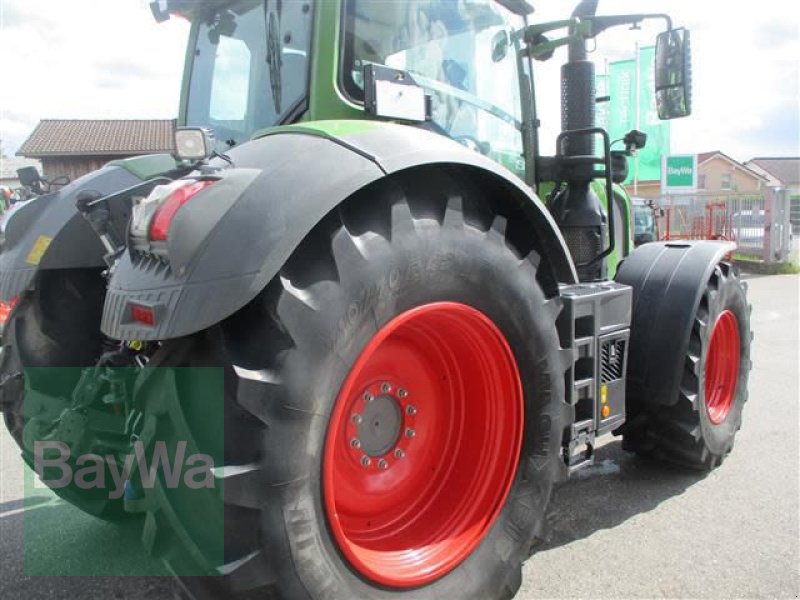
(625, 528)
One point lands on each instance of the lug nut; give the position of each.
(383, 465)
(386, 388)
(365, 461)
(402, 393)
(368, 397)
(356, 419)
(355, 443)
(410, 433)
(411, 410)
(399, 453)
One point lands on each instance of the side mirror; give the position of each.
(160, 10)
(673, 74)
(28, 176)
(500, 45)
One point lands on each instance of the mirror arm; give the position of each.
(541, 48)
(600, 24)
(544, 49)
(532, 33)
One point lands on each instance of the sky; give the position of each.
(87, 59)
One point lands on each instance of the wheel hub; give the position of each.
(382, 425)
(379, 426)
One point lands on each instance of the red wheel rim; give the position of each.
(722, 367)
(423, 444)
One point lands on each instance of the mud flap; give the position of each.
(668, 280)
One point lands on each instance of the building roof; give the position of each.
(9, 166)
(67, 137)
(704, 157)
(786, 169)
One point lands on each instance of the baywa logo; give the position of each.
(91, 470)
(681, 170)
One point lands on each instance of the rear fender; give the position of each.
(49, 232)
(668, 281)
(289, 180)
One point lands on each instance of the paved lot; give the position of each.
(624, 529)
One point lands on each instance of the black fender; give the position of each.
(231, 240)
(49, 232)
(668, 280)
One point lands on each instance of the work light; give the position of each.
(193, 143)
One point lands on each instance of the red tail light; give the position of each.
(143, 314)
(6, 308)
(159, 227)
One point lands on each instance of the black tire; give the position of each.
(50, 328)
(12, 382)
(282, 379)
(12, 385)
(685, 434)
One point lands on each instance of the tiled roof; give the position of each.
(61, 137)
(706, 156)
(786, 169)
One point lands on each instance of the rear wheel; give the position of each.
(49, 336)
(395, 411)
(699, 430)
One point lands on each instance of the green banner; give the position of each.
(622, 89)
(624, 83)
(658, 132)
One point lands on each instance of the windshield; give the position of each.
(250, 68)
(458, 51)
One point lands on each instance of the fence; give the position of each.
(758, 223)
(794, 214)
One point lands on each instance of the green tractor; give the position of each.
(346, 287)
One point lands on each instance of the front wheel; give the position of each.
(396, 411)
(698, 431)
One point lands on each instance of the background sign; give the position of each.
(680, 172)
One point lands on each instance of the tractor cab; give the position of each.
(248, 69)
(257, 64)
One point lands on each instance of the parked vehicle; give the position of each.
(645, 221)
(747, 227)
(404, 346)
